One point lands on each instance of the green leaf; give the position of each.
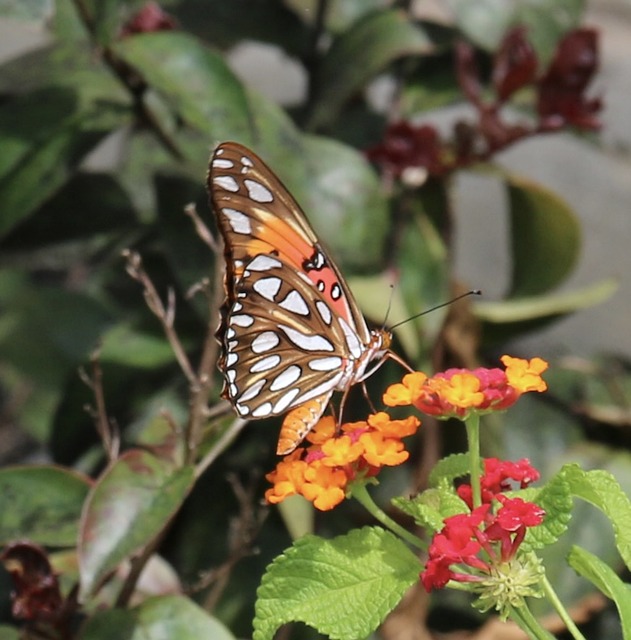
(196, 81)
(430, 508)
(603, 491)
(9, 633)
(507, 319)
(600, 574)
(343, 587)
(450, 468)
(129, 505)
(343, 200)
(486, 22)
(359, 54)
(37, 160)
(42, 504)
(556, 499)
(125, 346)
(545, 238)
(62, 219)
(156, 619)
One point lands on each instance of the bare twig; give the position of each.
(221, 445)
(107, 431)
(166, 315)
(202, 230)
(198, 415)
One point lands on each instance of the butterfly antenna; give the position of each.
(389, 307)
(473, 292)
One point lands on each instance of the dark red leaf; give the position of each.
(561, 97)
(467, 72)
(405, 146)
(150, 18)
(515, 64)
(36, 594)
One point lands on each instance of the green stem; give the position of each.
(472, 424)
(523, 617)
(560, 609)
(360, 493)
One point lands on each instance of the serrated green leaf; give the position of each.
(555, 498)
(196, 80)
(42, 504)
(450, 468)
(359, 54)
(128, 506)
(604, 577)
(342, 587)
(603, 491)
(430, 508)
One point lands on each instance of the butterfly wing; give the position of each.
(290, 328)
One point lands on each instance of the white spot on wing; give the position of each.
(295, 303)
(222, 163)
(324, 311)
(352, 339)
(237, 306)
(242, 409)
(238, 221)
(252, 391)
(306, 342)
(264, 263)
(242, 320)
(232, 358)
(265, 342)
(246, 161)
(264, 410)
(286, 378)
(258, 192)
(265, 364)
(285, 400)
(231, 375)
(268, 287)
(230, 333)
(336, 292)
(226, 182)
(325, 364)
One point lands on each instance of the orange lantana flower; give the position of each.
(458, 392)
(322, 472)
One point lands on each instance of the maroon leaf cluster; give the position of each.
(150, 18)
(559, 98)
(36, 595)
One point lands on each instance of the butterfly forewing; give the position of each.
(291, 330)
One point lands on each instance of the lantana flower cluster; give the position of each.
(456, 393)
(323, 471)
(481, 546)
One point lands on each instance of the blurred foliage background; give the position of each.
(105, 134)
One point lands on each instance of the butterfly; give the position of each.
(290, 330)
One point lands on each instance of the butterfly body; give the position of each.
(291, 331)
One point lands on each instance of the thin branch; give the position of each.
(202, 230)
(107, 431)
(221, 445)
(199, 411)
(166, 315)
